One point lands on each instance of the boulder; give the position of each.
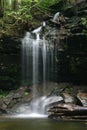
(2, 111)
(52, 100)
(68, 98)
(82, 96)
(67, 111)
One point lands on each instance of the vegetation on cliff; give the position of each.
(19, 15)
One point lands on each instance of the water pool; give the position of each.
(40, 124)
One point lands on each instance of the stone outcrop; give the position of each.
(2, 111)
(72, 107)
(68, 111)
(71, 42)
(82, 96)
(15, 98)
(59, 104)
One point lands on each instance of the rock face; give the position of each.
(50, 101)
(71, 42)
(83, 98)
(68, 98)
(59, 105)
(2, 111)
(70, 108)
(10, 63)
(68, 111)
(14, 98)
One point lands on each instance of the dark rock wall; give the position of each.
(10, 63)
(72, 61)
(71, 43)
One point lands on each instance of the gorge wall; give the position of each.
(70, 49)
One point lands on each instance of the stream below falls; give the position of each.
(40, 124)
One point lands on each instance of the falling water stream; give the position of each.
(37, 67)
(37, 64)
(32, 46)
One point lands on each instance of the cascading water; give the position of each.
(36, 48)
(56, 16)
(44, 65)
(26, 58)
(37, 65)
(31, 47)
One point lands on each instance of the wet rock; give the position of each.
(15, 97)
(2, 104)
(82, 96)
(68, 111)
(68, 98)
(56, 91)
(52, 100)
(2, 111)
(7, 100)
(75, 8)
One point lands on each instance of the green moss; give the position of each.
(26, 93)
(84, 23)
(69, 89)
(3, 94)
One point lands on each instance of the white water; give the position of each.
(35, 64)
(30, 64)
(36, 31)
(34, 51)
(44, 65)
(26, 58)
(42, 102)
(32, 115)
(56, 16)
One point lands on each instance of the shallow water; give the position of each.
(40, 124)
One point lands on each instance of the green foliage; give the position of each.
(69, 89)
(26, 93)
(23, 12)
(21, 15)
(3, 94)
(16, 16)
(47, 3)
(84, 22)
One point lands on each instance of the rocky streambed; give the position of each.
(59, 103)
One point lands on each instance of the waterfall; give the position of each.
(31, 48)
(44, 65)
(26, 58)
(56, 16)
(37, 65)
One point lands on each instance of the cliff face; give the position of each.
(10, 63)
(70, 42)
(72, 39)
